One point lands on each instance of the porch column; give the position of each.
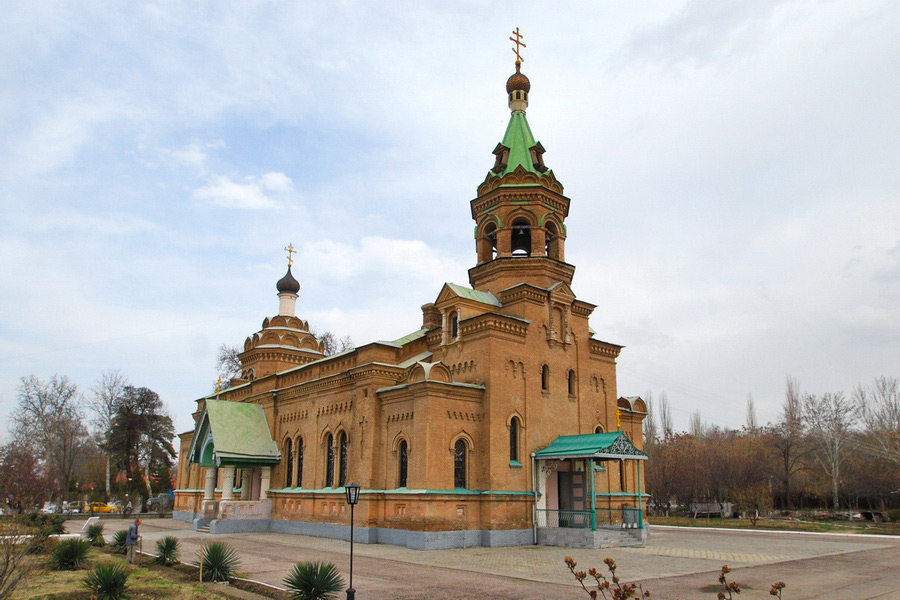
(590, 465)
(209, 492)
(245, 483)
(640, 497)
(263, 489)
(228, 483)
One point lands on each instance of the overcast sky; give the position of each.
(734, 170)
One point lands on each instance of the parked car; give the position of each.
(101, 507)
(50, 509)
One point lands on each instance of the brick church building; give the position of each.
(498, 422)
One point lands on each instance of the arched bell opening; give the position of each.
(554, 242)
(521, 238)
(487, 244)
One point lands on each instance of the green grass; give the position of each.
(782, 525)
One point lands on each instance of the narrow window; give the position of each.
(459, 464)
(571, 382)
(404, 458)
(545, 378)
(289, 470)
(514, 439)
(454, 325)
(237, 479)
(342, 470)
(598, 429)
(300, 462)
(621, 475)
(329, 460)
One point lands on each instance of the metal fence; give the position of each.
(624, 518)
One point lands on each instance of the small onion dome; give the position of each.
(517, 81)
(288, 283)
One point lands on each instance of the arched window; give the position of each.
(329, 460)
(521, 237)
(403, 459)
(459, 464)
(454, 325)
(299, 462)
(598, 429)
(514, 439)
(571, 382)
(545, 378)
(342, 467)
(289, 467)
(487, 245)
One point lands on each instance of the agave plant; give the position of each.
(218, 562)
(118, 541)
(314, 581)
(70, 554)
(107, 582)
(166, 551)
(95, 534)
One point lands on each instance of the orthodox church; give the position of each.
(496, 423)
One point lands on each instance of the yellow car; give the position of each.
(101, 507)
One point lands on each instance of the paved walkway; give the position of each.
(676, 563)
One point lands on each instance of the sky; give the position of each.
(733, 169)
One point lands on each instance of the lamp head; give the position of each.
(352, 490)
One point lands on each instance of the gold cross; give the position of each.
(618, 419)
(218, 386)
(290, 250)
(518, 42)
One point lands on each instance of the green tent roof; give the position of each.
(239, 434)
(519, 139)
(592, 445)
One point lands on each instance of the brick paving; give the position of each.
(392, 572)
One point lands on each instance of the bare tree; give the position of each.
(830, 418)
(665, 417)
(879, 409)
(697, 427)
(788, 437)
(228, 365)
(331, 344)
(48, 418)
(651, 433)
(106, 395)
(752, 424)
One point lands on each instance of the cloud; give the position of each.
(264, 192)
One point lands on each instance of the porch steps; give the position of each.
(203, 529)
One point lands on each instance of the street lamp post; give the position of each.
(352, 490)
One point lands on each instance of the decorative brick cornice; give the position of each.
(555, 202)
(519, 177)
(605, 349)
(494, 322)
(583, 309)
(404, 416)
(523, 293)
(335, 408)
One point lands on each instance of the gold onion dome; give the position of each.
(518, 81)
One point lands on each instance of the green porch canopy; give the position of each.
(233, 433)
(615, 445)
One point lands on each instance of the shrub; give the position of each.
(218, 562)
(894, 515)
(107, 582)
(95, 534)
(314, 581)
(46, 524)
(70, 554)
(166, 551)
(118, 541)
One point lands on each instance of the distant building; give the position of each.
(490, 425)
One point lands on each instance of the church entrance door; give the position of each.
(572, 511)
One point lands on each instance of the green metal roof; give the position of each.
(592, 445)
(483, 297)
(519, 140)
(239, 432)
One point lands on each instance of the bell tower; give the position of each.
(520, 210)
